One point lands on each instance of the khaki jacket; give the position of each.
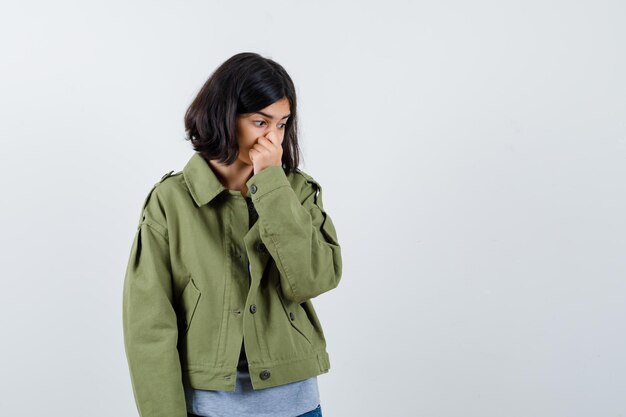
(185, 316)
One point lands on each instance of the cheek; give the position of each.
(245, 138)
(249, 141)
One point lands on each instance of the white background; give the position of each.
(472, 156)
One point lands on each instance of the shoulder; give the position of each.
(305, 184)
(301, 178)
(305, 176)
(159, 197)
(169, 184)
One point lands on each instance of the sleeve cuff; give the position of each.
(266, 181)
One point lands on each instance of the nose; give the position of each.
(276, 131)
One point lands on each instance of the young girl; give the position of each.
(229, 251)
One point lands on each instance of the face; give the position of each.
(252, 126)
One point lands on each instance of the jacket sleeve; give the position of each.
(150, 325)
(300, 236)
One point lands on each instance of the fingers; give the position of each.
(267, 150)
(263, 148)
(270, 140)
(264, 143)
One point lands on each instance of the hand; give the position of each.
(267, 151)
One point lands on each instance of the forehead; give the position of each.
(277, 110)
(280, 105)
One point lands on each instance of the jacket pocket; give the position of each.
(296, 316)
(187, 305)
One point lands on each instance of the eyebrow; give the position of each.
(269, 116)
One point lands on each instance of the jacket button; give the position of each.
(264, 374)
(253, 188)
(253, 308)
(292, 316)
(260, 247)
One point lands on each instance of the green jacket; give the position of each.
(185, 316)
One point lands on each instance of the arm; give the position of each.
(150, 325)
(300, 236)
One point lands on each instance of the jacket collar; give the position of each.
(202, 182)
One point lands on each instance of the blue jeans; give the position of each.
(317, 412)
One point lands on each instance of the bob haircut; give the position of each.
(245, 83)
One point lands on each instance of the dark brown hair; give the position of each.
(245, 83)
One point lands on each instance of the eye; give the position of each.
(263, 121)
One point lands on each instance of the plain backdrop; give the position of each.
(472, 156)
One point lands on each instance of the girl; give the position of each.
(229, 252)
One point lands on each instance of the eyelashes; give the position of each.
(263, 121)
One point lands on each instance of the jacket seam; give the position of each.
(189, 366)
(277, 245)
(149, 224)
(271, 191)
(287, 273)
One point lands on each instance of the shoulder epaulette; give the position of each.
(145, 201)
(165, 176)
(318, 187)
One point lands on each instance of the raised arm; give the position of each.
(298, 233)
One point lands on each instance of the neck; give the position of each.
(233, 176)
